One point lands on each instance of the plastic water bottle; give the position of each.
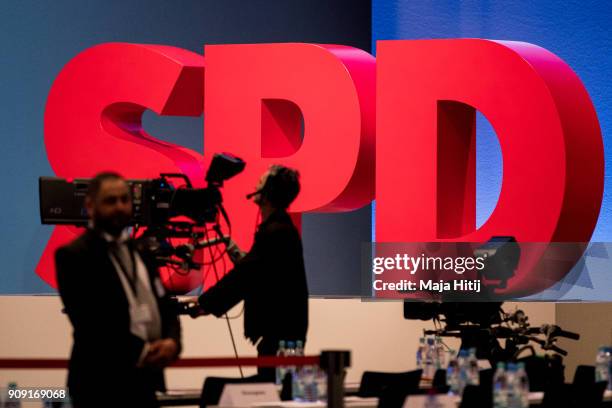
(473, 372)
(299, 348)
(452, 374)
(440, 354)
(16, 403)
(522, 385)
(428, 368)
(298, 378)
(280, 370)
(306, 386)
(462, 361)
(602, 365)
(320, 379)
(500, 388)
(609, 358)
(290, 352)
(420, 353)
(514, 396)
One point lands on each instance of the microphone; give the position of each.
(210, 242)
(185, 251)
(253, 194)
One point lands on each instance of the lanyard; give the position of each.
(131, 278)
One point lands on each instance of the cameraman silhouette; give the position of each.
(270, 278)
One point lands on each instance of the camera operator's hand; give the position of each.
(161, 353)
(192, 306)
(234, 252)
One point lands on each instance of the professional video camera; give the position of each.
(481, 324)
(501, 256)
(545, 370)
(163, 210)
(489, 320)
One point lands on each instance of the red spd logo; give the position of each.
(399, 128)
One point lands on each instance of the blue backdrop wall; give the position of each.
(577, 31)
(39, 38)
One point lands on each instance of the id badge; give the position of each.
(141, 314)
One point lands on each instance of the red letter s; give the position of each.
(93, 118)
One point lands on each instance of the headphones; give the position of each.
(273, 189)
(268, 189)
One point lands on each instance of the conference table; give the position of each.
(190, 398)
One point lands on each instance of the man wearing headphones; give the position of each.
(270, 278)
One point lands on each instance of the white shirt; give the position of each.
(145, 321)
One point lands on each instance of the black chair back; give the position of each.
(486, 379)
(481, 395)
(545, 374)
(373, 383)
(473, 398)
(589, 395)
(584, 375)
(439, 381)
(558, 396)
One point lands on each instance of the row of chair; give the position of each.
(392, 389)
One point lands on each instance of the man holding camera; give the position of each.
(271, 277)
(125, 331)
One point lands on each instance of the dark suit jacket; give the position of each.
(271, 280)
(105, 353)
